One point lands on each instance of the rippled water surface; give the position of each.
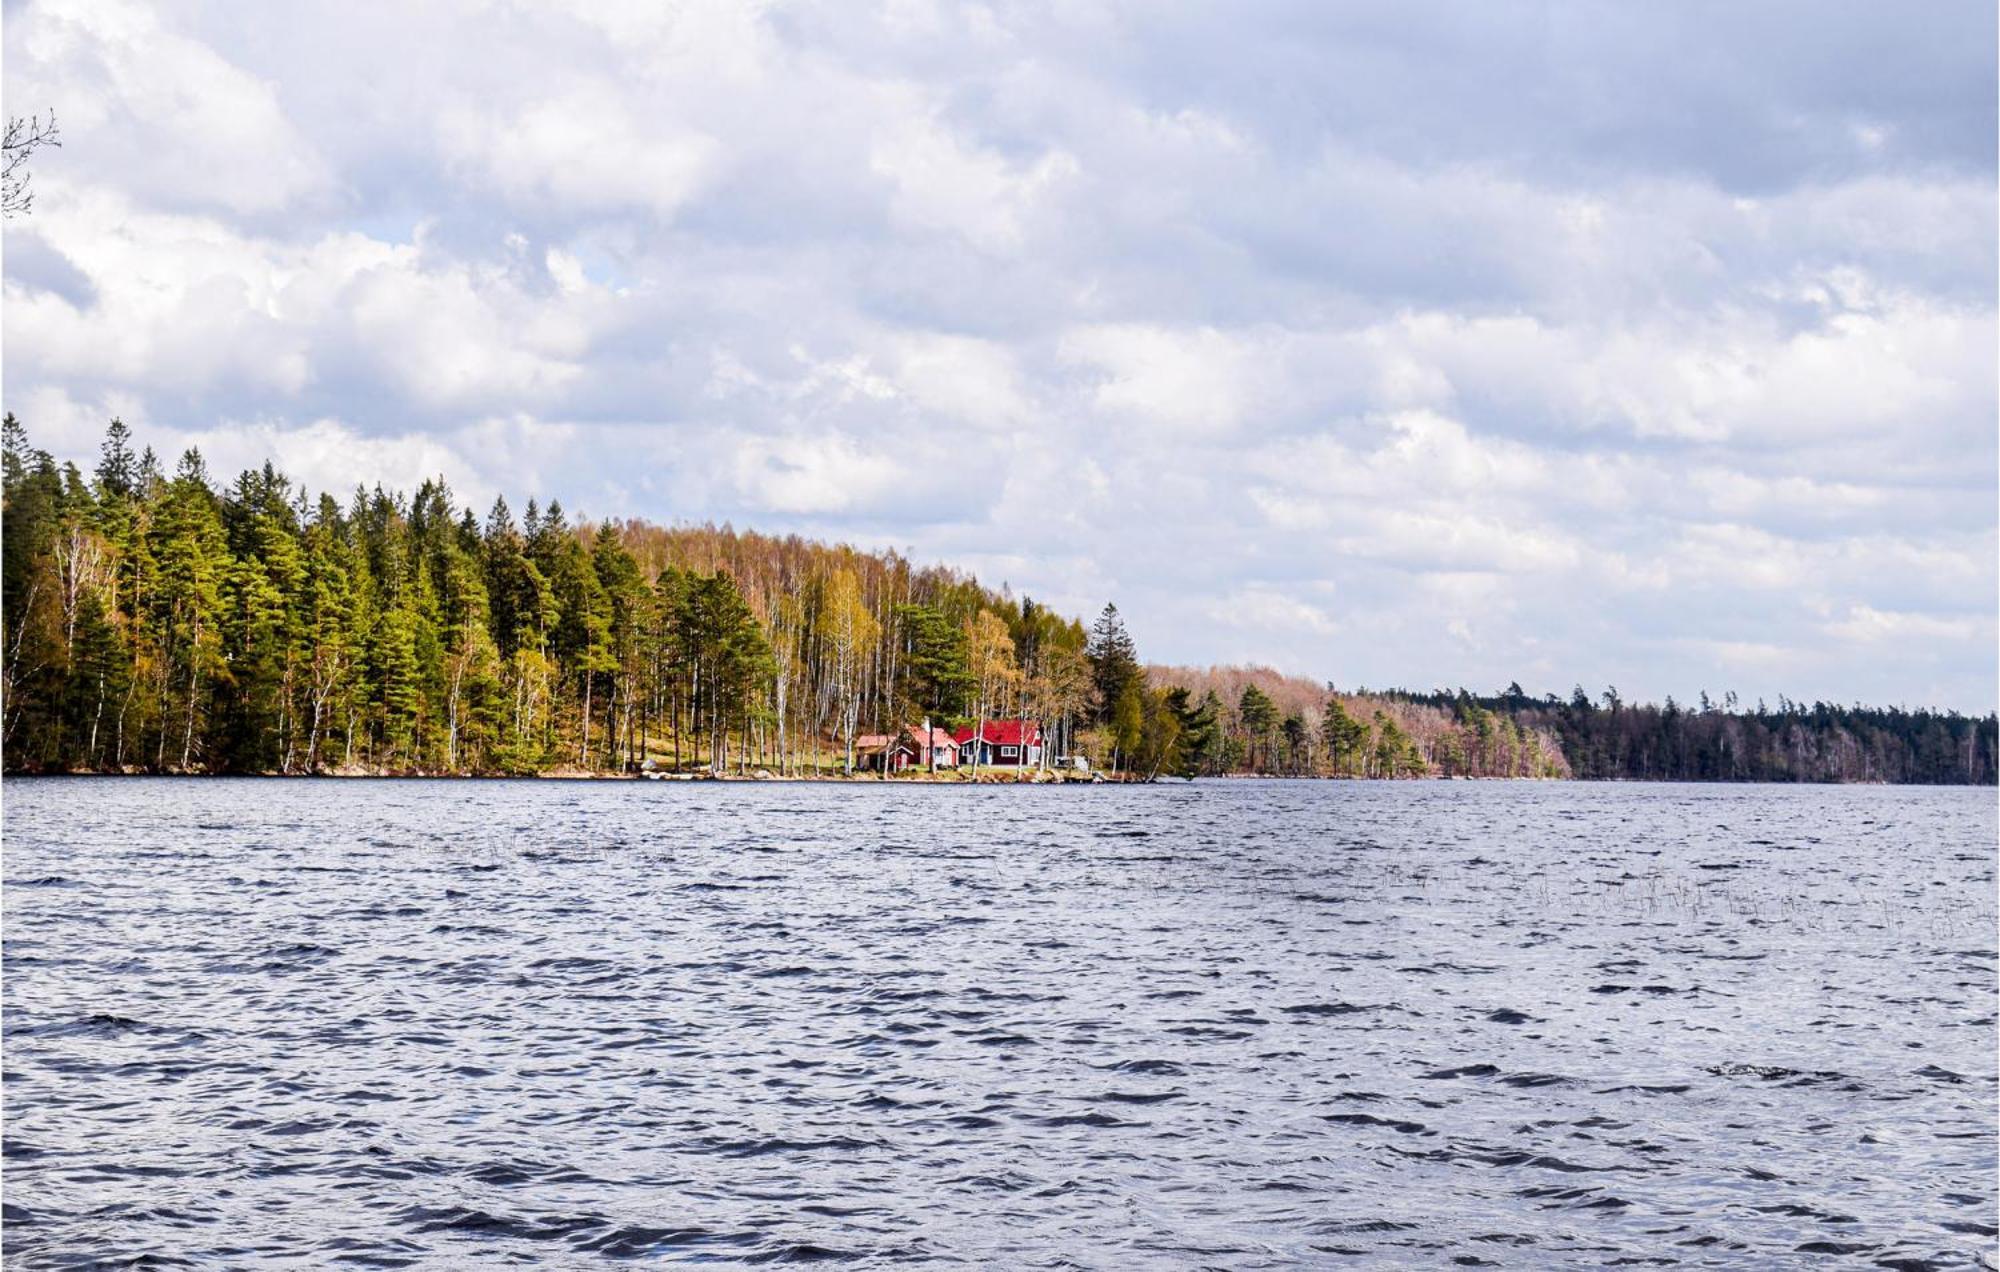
(1233, 1024)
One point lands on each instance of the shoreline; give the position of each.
(986, 777)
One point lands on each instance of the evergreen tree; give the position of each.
(117, 468)
(936, 661)
(1114, 661)
(1199, 727)
(1346, 738)
(1200, 732)
(193, 560)
(1297, 743)
(1257, 715)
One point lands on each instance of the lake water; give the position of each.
(1232, 1024)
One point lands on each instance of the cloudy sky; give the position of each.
(1640, 344)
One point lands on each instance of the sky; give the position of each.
(1646, 345)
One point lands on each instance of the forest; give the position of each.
(165, 623)
(1713, 741)
(174, 624)
(1450, 733)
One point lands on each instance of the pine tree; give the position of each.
(193, 560)
(1114, 661)
(117, 468)
(937, 664)
(327, 623)
(397, 682)
(1257, 715)
(1199, 727)
(1346, 738)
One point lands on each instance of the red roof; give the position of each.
(1004, 733)
(938, 738)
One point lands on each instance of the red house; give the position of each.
(910, 748)
(1002, 744)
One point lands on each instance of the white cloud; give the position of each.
(187, 303)
(1263, 608)
(1164, 380)
(159, 112)
(963, 379)
(586, 149)
(1868, 625)
(811, 474)
(942, 183)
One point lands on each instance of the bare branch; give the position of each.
(23, 138)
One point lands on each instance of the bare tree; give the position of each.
(23, 138)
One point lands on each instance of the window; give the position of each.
(1009, 752)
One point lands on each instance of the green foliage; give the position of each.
(1200, 732)
(1256, 714)
(1159, 748)
(936, 660)
(727, 652)
(1395, 754)
(1346, 738)
(1114, 663)
(160, 624)
(1128, 723)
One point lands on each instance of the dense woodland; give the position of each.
(160, 623)
(156, 622)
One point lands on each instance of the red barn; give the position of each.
(1002, 744)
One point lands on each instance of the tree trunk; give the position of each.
(187, 735)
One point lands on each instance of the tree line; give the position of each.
(1722, 741)
(167, 623)
(1253, 720)
(1258, 720)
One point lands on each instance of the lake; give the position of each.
(1231, 1024)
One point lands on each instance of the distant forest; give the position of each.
(1512, 734)
(170, 624)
